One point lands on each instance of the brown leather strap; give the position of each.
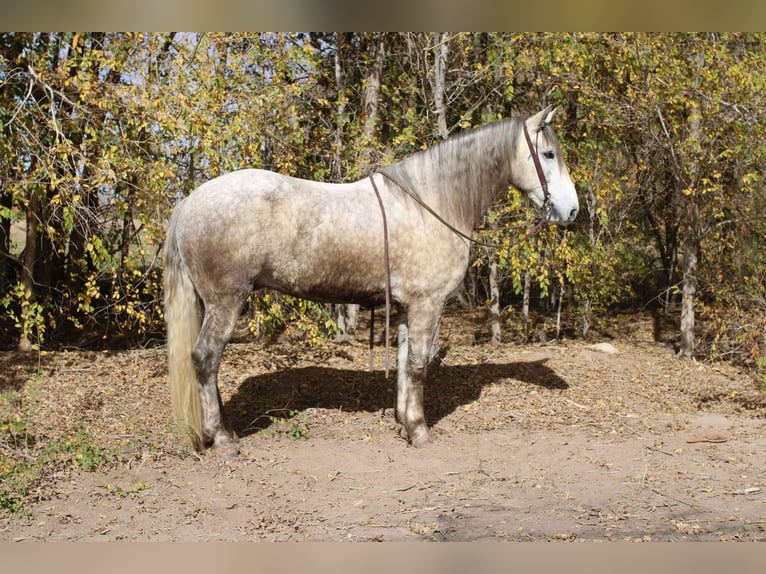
(538, 168)
(387, 277)
(430, 210)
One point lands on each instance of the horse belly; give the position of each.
(329, 268)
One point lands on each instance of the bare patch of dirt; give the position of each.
(539, 442)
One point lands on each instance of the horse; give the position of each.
(252, 229)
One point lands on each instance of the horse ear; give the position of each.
(550, 112)
(542, 118)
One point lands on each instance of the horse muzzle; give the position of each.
(569, 215)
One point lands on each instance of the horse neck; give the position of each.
(461, 177)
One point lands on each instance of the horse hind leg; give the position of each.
(217, 327)
(402, 380)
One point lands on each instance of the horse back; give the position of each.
(320, 241)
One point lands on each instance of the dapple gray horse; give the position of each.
(254, 229)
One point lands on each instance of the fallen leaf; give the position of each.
(709, 437)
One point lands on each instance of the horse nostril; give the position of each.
(573, 213)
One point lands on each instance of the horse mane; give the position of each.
(460, 177)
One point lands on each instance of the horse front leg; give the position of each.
(416, 342)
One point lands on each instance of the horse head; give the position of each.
(544, 177)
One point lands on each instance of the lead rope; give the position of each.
(428, 208)
(388, 282)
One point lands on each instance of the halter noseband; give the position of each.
(540, 173)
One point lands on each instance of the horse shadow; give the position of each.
(283, 394)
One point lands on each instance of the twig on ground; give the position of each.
(659, 450)
(17, 452)
(655, 491)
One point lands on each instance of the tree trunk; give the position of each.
(441, 48)
(586, 314)
(689, 280)
(27, 270)
(346, 319)
(592, 203)
(347, 314)
(671, 274)
(525, 303)
(127, 221)
(690, 239)
(340, 110)
(371, 100)
(494, 301)
(558, 312)
(6, 265)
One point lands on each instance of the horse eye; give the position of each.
(548, 154)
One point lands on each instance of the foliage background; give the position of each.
(103, 132)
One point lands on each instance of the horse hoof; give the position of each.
(421, 437)
(227, 451)
(227, 448)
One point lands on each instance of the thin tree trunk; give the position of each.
(558, 312)
(27, 270)
(525, 303)
(127, 232)
(689, 280)
(371, 100)
(347, 314)
(669, 287)
(346, 319)
(340, 110)
(690, 242)
(494, 301)
(586, 317)
(592, 203)
(6, 202)
(441, 48)
(127, 222)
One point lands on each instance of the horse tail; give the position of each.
(183, 317)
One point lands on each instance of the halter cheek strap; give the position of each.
(539, 169)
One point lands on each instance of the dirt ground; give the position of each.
(561, 442)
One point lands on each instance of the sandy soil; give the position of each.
(555, 442)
